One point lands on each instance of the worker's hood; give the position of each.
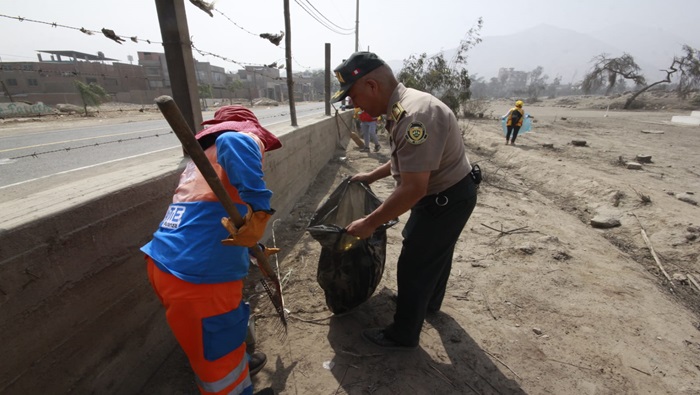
(237, 119)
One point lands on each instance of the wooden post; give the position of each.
(178, 57)
(288, 55)
(327, 82)
(357, 25)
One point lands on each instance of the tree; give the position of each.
(205, 92)
(552, 88)
(91, 94)
(610, 71)
(449, 81)
(233, 86)
(318, 82)
(689, 72)
(537, 83)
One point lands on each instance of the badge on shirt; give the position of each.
(397, 111)
(415, 133)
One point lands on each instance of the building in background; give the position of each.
(51, 80)
(155, 68)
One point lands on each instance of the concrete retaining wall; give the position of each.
(686, 120)
(76, 311)
(23, 109)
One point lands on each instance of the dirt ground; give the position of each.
(539, 301)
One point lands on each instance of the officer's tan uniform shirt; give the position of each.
(425, 136)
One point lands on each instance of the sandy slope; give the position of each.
(539, 301)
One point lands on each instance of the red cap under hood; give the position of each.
(239, 119)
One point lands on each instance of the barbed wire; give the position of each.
(206, 53)
(122, 140)
(66, 149)
(258, 35)
(83, 30)
(76, 73)
(235, 24)
(64, 73)
(112, 36)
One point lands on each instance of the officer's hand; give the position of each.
(360, 228)
(361, 177)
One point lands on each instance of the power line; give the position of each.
(324, 17)
(324, 24)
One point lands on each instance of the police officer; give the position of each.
(433, 180)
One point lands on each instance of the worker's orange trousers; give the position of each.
(210, 323)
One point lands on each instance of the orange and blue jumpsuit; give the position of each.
(199, 280)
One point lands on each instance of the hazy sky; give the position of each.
(394, 29)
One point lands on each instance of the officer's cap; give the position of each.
(352, 69)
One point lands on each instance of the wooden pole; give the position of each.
(179, 59)
(357, 25)
(327, 82)
(288, 55)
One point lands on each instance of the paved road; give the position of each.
(30, 153)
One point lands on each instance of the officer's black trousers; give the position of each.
(424, 265)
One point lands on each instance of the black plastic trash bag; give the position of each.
(349, 269)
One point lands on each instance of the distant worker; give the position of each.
(514, 121)
(381, 124)
(356, 119)
(368, 126)
(196, 266)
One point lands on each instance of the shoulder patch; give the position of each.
(397, 111)
(416, 133)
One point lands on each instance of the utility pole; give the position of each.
(288, 55)
(357, 26)
(327, 79)
(178, 57)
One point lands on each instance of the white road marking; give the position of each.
(74, 140)
(87, 167)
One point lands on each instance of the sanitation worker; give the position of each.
(197, 276)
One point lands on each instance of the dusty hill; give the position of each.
(539, 301)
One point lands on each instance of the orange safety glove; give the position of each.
(250, 232)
